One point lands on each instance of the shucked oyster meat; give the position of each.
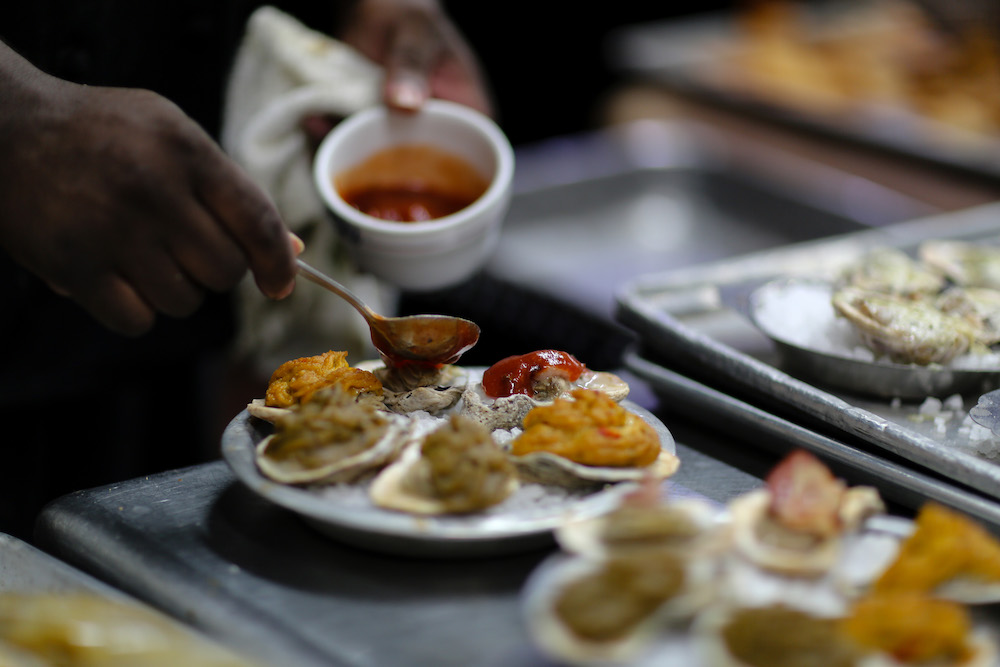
(904, 330)
(414, 387)
(967, 264)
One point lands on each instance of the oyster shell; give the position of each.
(413, 388)
(455, 469)
(508, 412)
(332, 438)
(967, 264)
(890, 270)
(598, 611)
(904, 330)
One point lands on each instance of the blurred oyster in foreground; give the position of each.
(596, 611)
(589, 439)
(904, 330)
(890, 270)
(947, 555)
(643, 521)
(967, 264)
(455, 469)
(796, 523)
(332, 438)
(83, 629)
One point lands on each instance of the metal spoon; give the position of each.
(428, 339)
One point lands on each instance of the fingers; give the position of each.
(252, 222)
(414, 50)
(117, 306)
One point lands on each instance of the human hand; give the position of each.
(423, 53)
(118, 200)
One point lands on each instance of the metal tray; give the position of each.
(686, 55)
(692, 320)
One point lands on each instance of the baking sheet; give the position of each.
(685, 322)
(521, 523)
(689, 55)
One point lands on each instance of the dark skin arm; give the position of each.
(118, 200)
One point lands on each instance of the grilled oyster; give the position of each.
(966, 264)
(512, 387)
(795, 524)
(455, 469)
(904, 330)
(600, 611)
(948, 556)
(643, 521)
(295, 381)
(979, 306)
(586, 440)
(332, 438)
(890, 270)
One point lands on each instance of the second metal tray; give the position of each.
(687, 318)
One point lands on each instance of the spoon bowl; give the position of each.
(420, 339)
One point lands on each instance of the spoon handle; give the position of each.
(329, 283)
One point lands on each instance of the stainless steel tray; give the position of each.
(691, 320)
(687, 54)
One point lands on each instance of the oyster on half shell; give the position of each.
(600, 611)
(904, 330)
(332, 438)
(587, 440)
(967, 264)
(455, 469)
(507, 412)
(413, 387)
(890, 270)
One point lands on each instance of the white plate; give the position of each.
(522, 522)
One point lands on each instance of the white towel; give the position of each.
(282, 72)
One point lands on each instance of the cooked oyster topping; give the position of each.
(330, 427)
(968, 264)
(779, 636)
(945, 546)
(624, 591)
(805, 499)
(295, 381)
(628, 525)
(904, 330)
(591, 429)
(892, 271)
(979, 306)
(913, 629)
(461, 467)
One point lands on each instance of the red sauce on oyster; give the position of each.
(517, 374)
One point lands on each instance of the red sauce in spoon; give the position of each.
(516, 374)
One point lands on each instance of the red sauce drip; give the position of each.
(516, 374)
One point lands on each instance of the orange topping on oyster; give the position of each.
(944, 546)
(912, 628)
(591, 429)
(297, 380)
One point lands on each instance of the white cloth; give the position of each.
(284, 71)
